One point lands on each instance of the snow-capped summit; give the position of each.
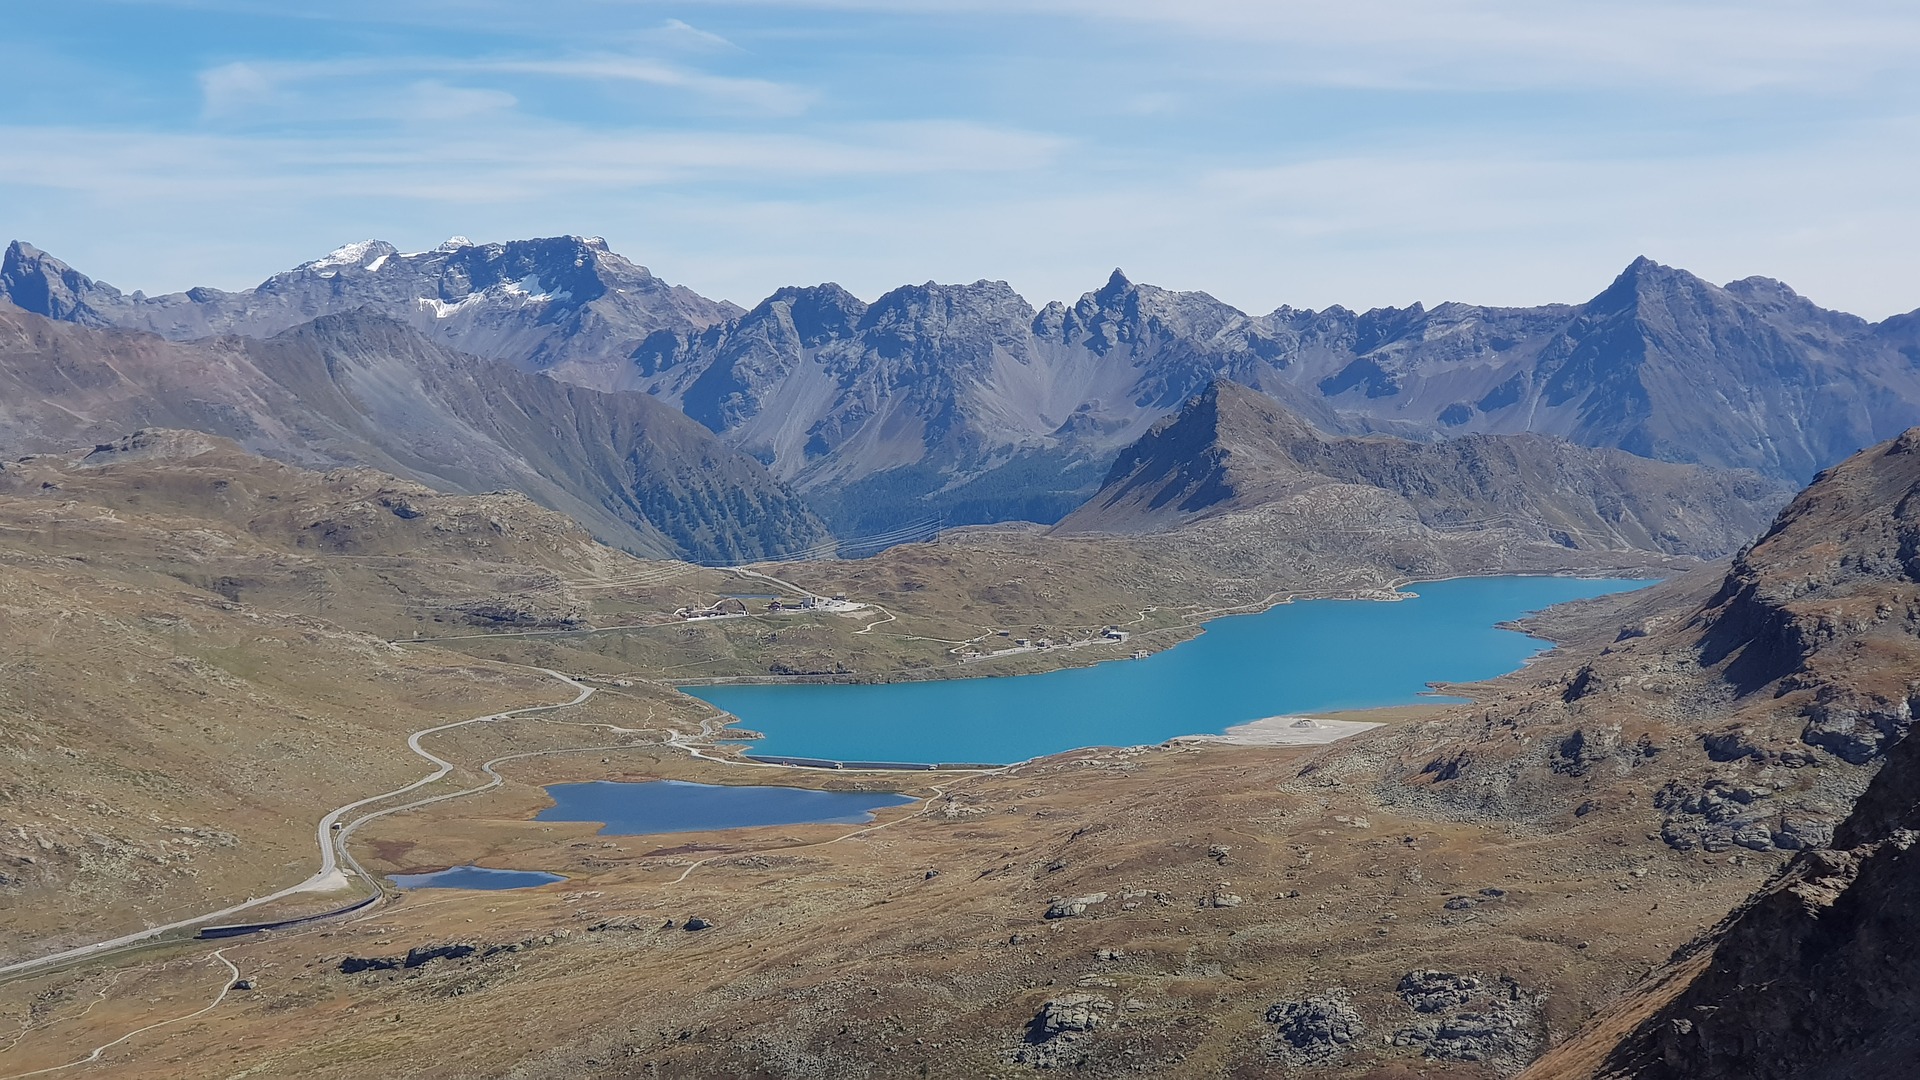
(561, 304)
(356, 254)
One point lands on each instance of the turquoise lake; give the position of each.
(1312, 656)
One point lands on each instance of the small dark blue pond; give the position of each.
(670, 806)
(475, 877)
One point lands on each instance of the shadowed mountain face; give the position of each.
(964, 401)
(362, 389)
(1232, 449)
(564, 304)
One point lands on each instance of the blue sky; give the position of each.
(1312, 152)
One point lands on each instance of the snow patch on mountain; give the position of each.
(356, 254)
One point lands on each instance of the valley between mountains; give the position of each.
(253, 542)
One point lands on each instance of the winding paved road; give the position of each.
(332, 848)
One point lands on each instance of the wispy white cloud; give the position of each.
(255, 93)
(494, 160)
(270, 87)
(685, 34)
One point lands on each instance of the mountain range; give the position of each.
(967, 402)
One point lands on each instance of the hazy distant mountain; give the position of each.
(363, 389)
(1661, 364)
(1231, 448)
(565, 304)
(964, 401)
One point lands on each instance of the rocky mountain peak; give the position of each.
(1226, 410)
(1117, 286)
(940, 324)
(36, 281)
(1645, 281)
(819, 313)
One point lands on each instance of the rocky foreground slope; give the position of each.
(361, 389)
(1815, 976)
(1231, 448)
(1450, 894)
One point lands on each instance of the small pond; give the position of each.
(672, 806)
(475, 877)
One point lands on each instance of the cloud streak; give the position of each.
(242, 89)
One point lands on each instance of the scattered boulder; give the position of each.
(696, 923)
(1314, 1031)
(627, 924)
(354, 965)
(427, 953)
(1052, 1036)
(1067, 907)
(1073, 1012)
(422, 955)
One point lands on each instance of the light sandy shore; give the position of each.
(1286, 731)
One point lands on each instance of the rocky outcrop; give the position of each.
(1466, 1018)
(1053, 1037)
(1315, 1031)
(1817, 977)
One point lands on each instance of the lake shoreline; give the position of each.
(1194, 628)
(1325, 664)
